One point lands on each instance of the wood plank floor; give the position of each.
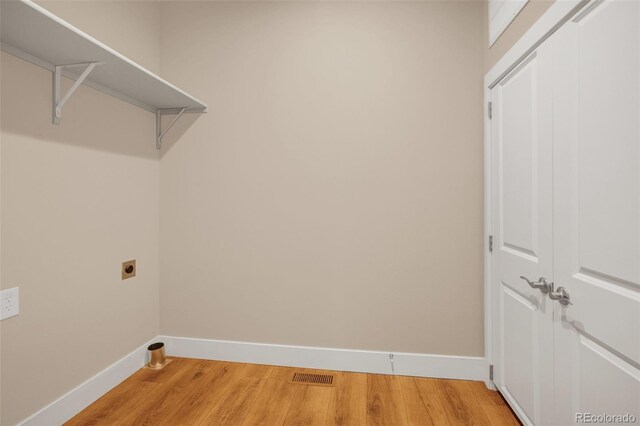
(201, 392)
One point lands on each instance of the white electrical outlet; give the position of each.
(9, 303)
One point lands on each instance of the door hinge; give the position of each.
(491, 372)
(490, 243)
(490, 107)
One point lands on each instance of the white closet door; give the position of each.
(597, 211)
(522, 232)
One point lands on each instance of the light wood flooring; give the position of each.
(195, 392)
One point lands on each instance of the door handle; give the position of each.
(542, 284)
(561, 295)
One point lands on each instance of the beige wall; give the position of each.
(525, 19)
(332, 195)
(76, 201)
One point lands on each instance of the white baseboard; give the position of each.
(76, 400)
(404, 364)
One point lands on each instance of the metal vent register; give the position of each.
(313, 379)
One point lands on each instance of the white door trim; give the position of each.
(548, 23)
(553, 18)
(501, 18)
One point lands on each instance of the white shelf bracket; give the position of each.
(58, 103)
(159, 132)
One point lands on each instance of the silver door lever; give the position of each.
(561, 295)
(542, 284)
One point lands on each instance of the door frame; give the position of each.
(559, 13)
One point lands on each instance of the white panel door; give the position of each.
(597, 211)
(522, 232)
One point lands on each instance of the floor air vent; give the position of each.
(313, 379)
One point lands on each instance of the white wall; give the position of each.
(76, 201)
(332, 196)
